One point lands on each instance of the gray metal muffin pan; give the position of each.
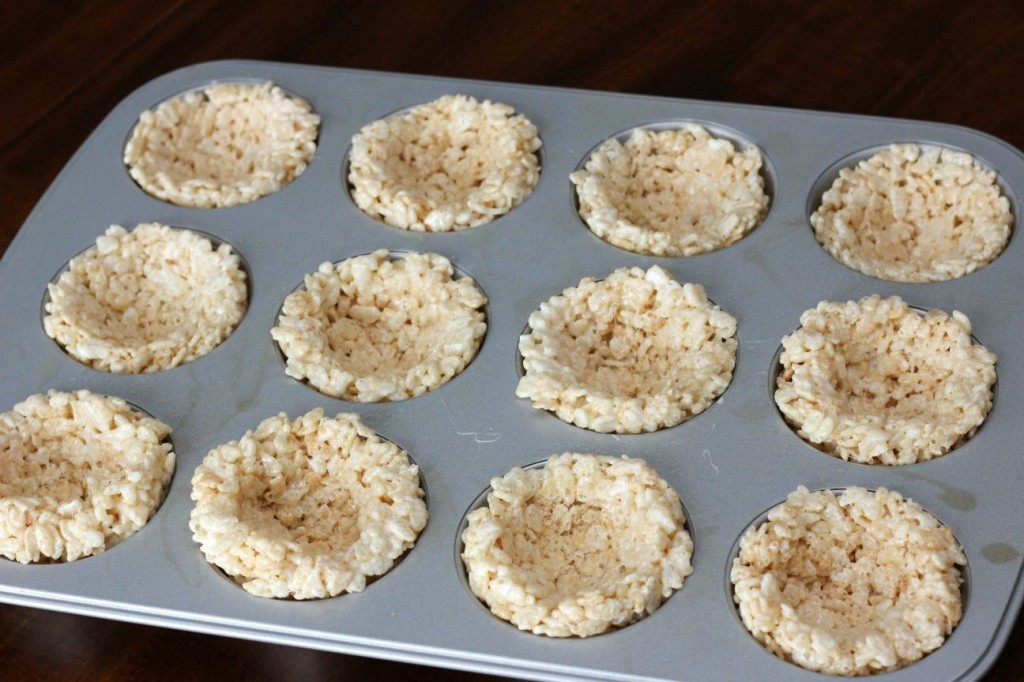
(728, 464)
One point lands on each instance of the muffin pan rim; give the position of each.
(699, 462)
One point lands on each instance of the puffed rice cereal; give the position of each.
(225, 145)
(914, 214)
(446, 165)
(79, 473)
(372, 329)
(146, 300)
(851, 585)
(582, 545)
(671, 192)
(876, 382)
(306, 509)
(635, 352)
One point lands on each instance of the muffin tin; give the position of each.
(728, 465)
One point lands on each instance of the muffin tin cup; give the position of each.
(776, 369)
(216, 242)
(370, 579)
(481, 501)
(349, 188)
(850, 161)
(728, 466)
(457, 274)
(762, 518)
(201, 89)
(119, 542)
(769, 174)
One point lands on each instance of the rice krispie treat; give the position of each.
(372, 329)
(634, 352)
(671, 192)
(876, 382)
(146, 300)
(79, 473)
(850, 585)
(306, 509)
(445, 165)
(228, 144)
(582, 545)
(913, 214)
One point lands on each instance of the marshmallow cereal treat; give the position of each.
(79, 473)
(914, 214)
(225, 145)
(854, 584)
(306, 509)
(447, 165)
(632, 353)
(373, 329)
(875, 381)
(671, 192)
(146, 300)
(578, 547)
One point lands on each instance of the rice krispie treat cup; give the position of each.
(635, 352)
(373, 329)
(875, 381)
(585, 544)
(146, 300)
(79, 473)
(225, 145)
(914, 214)
(446, 165)
(306, 509)
(854, 584)
(671, 192)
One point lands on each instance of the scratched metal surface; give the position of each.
(728, 465)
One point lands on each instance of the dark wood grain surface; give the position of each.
(64, 65)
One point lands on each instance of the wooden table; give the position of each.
(64, 65)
